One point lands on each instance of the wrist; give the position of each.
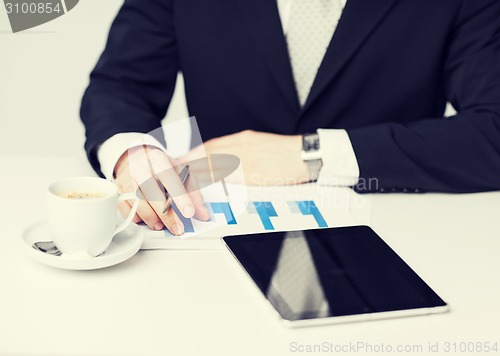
(121, 161)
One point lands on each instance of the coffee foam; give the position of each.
(82, 195)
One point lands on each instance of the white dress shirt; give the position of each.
(340, 166)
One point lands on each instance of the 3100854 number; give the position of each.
(33, 8)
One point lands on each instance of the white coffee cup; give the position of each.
(85, 227)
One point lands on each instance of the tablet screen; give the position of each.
(330, 272)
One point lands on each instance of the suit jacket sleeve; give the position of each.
(455, 154)
(133, 82)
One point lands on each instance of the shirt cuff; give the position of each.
(113, 148)
(340, 166)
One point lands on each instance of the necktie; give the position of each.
(310, 29)
(295, 287)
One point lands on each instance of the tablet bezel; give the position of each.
(343, 318)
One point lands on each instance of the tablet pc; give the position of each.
(332, 275)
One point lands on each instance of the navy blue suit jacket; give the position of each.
(389, 70)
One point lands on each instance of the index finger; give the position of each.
(170, 179)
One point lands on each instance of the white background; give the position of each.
(43, 74)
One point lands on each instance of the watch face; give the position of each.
(310, 142)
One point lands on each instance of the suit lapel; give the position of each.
(359, 19)
(262, 19)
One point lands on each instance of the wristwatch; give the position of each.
(311, 155)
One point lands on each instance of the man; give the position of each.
(372, 85)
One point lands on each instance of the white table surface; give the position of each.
(199, 303)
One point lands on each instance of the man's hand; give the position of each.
(134, 168)
(267, 159)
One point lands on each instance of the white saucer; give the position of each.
(124, 245)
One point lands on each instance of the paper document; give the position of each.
(264, 209)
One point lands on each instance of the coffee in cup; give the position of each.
(82, 214)
(82, 195)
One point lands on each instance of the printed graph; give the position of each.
(263, 209)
